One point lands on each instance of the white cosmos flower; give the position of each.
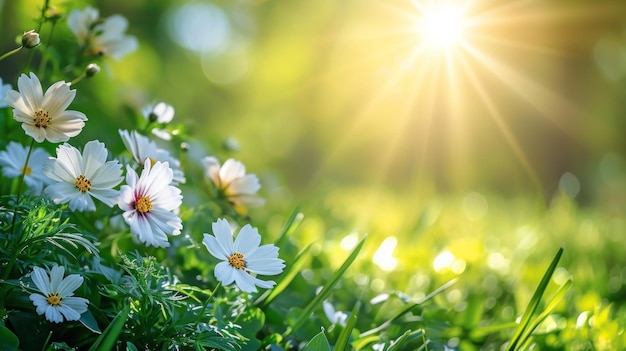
(161, 113)
(101, 36)
(12, 162)
(79, 177)
(144, 149)
(3, 91)
(233, 183)
(45, 116)
(57, 300)
(242, 257)
(148, 202)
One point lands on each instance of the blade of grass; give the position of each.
(289, 226)
(106, 341)
(556, 298)
(406, 310)
(344, 337)
(534, 303)
(269, 296)
(321, 296)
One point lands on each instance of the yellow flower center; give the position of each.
(152, 161)
(41, 119)
(236, 260)
(143, 204)
(82, 183)
(27, 171)
(54, 299)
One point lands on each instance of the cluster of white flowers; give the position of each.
(149, 200)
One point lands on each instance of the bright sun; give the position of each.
(442, 25)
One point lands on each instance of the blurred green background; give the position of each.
(481, 160)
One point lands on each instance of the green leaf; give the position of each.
(109, 337)
(89, 322)
(318, 343)
(533, 304)
(8, 340)
(407, 309)
(344, 337)
(131, 347)
(556, 298)
(321, 296)
(290, 226)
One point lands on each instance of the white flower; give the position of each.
(101, 36)
(160, 113)
(335, 317)
(242, 257)
(233, 183)
(3, 91)
(45, 116)
(12, 161)
(144, 149)
(57, 300)
(80, 177)
(148, 202)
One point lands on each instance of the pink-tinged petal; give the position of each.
(247, 240)
(224, 235)
(126, 199)
(41, 280)
(57, 98)
(225, 273)
(215, 248)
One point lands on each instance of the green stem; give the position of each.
(44, 59)
(20, 184)
(14, 51)
(205, 304)
(78, 79)
(46, 4)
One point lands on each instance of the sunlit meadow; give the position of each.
(312, 175)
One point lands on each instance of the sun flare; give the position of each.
(442, 25)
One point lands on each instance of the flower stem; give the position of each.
(44, 59)
(206, 303)
(20, 184)
(14, 51)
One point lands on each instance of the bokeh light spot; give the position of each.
(475, 206)
(443, 260)
(384, 255)
(200, 27)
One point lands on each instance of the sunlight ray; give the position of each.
(498, 119)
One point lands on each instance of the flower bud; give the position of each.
(92, 69)
(30, 39)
